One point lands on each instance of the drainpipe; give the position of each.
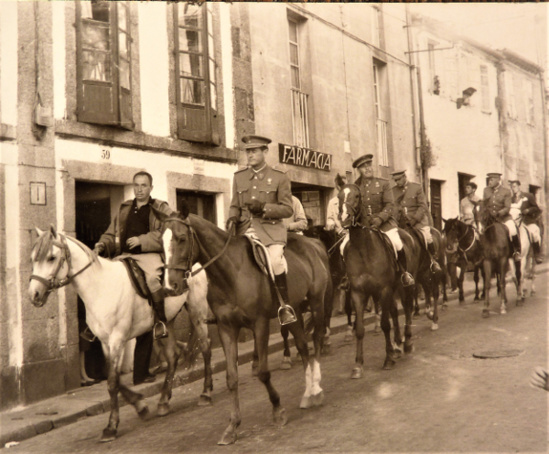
(545, 139)
(412, 88)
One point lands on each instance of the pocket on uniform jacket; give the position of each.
(268, 196)
(243, 197)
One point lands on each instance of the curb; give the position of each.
(68, 408)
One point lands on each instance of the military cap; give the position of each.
(469, 91)
(362, 160)
(514, 181)
(398, 173)
(253, 141)
(493, 175)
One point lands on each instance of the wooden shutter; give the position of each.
(195, 89)
(122, 28)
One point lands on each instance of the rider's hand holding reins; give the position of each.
(230, 225)
(376, 222)
(99, 248)
(256, 207)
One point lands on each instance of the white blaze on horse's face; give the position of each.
(167, 241)
(344, 213)
(45, 268)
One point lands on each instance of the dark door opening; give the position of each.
(463, 179)
(199, 203)
(436, 206)
(314, 201)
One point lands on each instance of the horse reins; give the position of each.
(53, 283)
(194, 236)
(464, 235)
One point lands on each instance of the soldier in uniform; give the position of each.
(525, 209)
(468, 203)
(378, 209)
(261, 198)
(497, 200)
(411, 206)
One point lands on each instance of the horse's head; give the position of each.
(483, 217)
(180, 247)
(50, 265)
(349, 204)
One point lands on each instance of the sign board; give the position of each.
(304, 157)
(37, 193)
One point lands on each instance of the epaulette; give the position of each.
(242, 170)
(278, 170)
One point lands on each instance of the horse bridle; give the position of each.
(194, 237)
(463, 236)
(355, 212)
(54, 283)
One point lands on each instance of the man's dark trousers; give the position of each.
(142, 356)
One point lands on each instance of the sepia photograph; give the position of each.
(266, 227)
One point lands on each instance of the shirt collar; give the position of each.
(258, 173)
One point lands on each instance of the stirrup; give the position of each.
(88, 335)
(434, 265)
(163, 333)
(406, 274)
(288, 312)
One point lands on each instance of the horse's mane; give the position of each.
(91, 255)
(43, 246)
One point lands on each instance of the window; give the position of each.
(511, 103)
(529, 96)
(381, 123)
(300, 99)
(376, 27)
(195, 66)
(484, 88)
(104, 63)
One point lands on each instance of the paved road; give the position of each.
(439, 398)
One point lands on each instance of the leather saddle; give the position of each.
(137, 278)
(261, 256)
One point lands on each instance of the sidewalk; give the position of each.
(23, 423)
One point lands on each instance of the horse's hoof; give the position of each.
(434, 327)
(318, 399)
(286, 363)
(503, 311)
(377, 329)
(204, 400)
(108, 435)
(408, 347)
(163, 409)
(279, 416)
(306, 402)
(388, 364)
(349, 337)
(397, 351)
(357, 372)
(228, 438)
(476, 298)
(461, 301)
(416, 314)
(144, 413)
(485, 313)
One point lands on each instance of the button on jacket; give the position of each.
(498, 202)
(267, 185)
(410, 200)
(377, 201)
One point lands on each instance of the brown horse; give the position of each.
(496, 252)
(372, 271)
(240, 295)
(466, 242)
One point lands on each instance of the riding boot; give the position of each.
(286, 313)
(537, 252)
(159, 330)
(516, 248)
(435, 267)
(406, 277)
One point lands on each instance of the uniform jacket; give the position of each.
(527, 206)
(270, 186)
(410, 201)
(498, 202)
(150, 242)
(377, 201)
(297, 222)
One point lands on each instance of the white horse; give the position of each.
(527, 265)
(116, 313)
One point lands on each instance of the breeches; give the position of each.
(396, 241)
(512, 227)
(151, 264)
(276, 254)
(426, 232)
(534, 232)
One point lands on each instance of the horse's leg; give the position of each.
(407, 304)
(416, 301)
(261, 331)
(229, 341)
(476, 278)
(319, 336)
(385, 302)
(397, 335)
(487, 265)
(519, 274)
(286, 359)
(255, 359)
(502, 271)
(358, 302)
(349, 336)
(171, 353)
(377, 310)
(444, 283)
(461, 277)
(435, 293)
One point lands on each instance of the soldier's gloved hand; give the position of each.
(99, 248)
(376, 222)
(411, 220)
(256, 207)
(231, 222)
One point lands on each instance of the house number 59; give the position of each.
(105, 154)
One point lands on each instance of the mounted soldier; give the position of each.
(497, 200)
(525, 210)
(135, 232)
(378, 209)
(412, 210)
(262, 197)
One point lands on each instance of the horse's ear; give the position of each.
(161, 216)
(53, 231)
(38, 231)
(339, 182)
(444, 220)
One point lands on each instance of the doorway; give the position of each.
(436, 205)
(314, 200)
(200, 203)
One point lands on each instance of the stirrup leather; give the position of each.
(291, 311)
(163, 330)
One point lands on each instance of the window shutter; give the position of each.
(97, 102)
(122, 27)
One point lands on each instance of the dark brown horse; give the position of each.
(465, 240)
(496, 252)
(240, 295)
(372, 271)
